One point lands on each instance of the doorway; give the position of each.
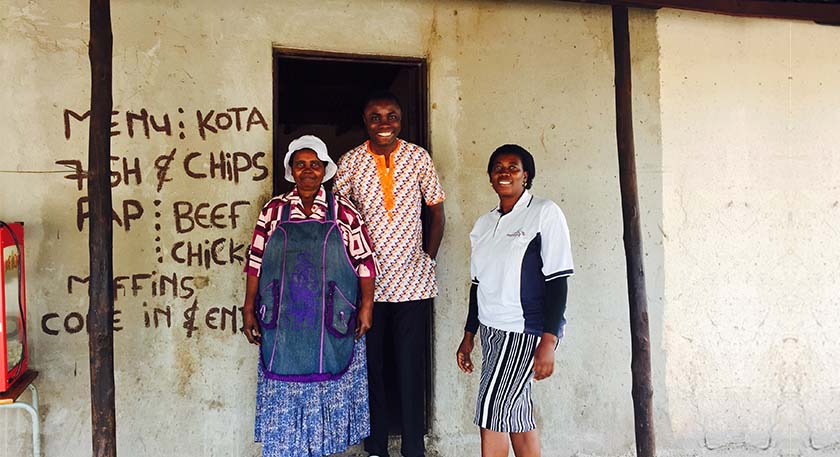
(321, 94)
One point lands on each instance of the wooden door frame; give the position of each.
(423, 140)
(330, 56)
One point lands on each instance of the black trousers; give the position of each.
(405, 322)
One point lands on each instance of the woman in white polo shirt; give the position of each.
(521, 257)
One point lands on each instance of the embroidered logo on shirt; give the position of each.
(517, 233)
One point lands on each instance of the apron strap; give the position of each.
(331, 210)
(284, 213)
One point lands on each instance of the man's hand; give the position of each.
(544, 357)
(463, 353)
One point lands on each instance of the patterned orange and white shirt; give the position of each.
(389, 200)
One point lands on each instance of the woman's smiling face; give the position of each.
(307, 170)
(507, 176)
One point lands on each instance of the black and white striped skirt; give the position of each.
(504, 397)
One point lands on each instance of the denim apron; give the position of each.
(307, 300)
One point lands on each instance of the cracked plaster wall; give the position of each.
(537, 73)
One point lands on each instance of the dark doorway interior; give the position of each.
(322, 94)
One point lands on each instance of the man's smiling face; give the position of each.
(383, 121)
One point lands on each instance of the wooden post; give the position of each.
(101, 310)
(639, 331)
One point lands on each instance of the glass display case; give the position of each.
(13, 348)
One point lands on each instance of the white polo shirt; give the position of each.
(513, 255)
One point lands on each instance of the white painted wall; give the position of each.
(749, 116)
(536, 73)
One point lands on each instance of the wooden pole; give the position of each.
(634, 252)
(101, 310)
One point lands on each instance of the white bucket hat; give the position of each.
(316, 144)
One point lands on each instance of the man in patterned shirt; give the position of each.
(389, 180)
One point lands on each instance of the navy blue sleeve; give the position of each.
(554, 306)
(472, 314)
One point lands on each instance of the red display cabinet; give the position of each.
(14, 352)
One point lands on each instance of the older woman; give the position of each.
(308, 304)
(521, 257)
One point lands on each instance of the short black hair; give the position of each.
(380, 95)
(523, 154)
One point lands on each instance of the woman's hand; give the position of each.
(544, 357)
(364, 321)
(252, 329)
(463, 353)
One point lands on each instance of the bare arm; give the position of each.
(437, 219)
(251, 328)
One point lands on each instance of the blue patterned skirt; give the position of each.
(300, 419)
